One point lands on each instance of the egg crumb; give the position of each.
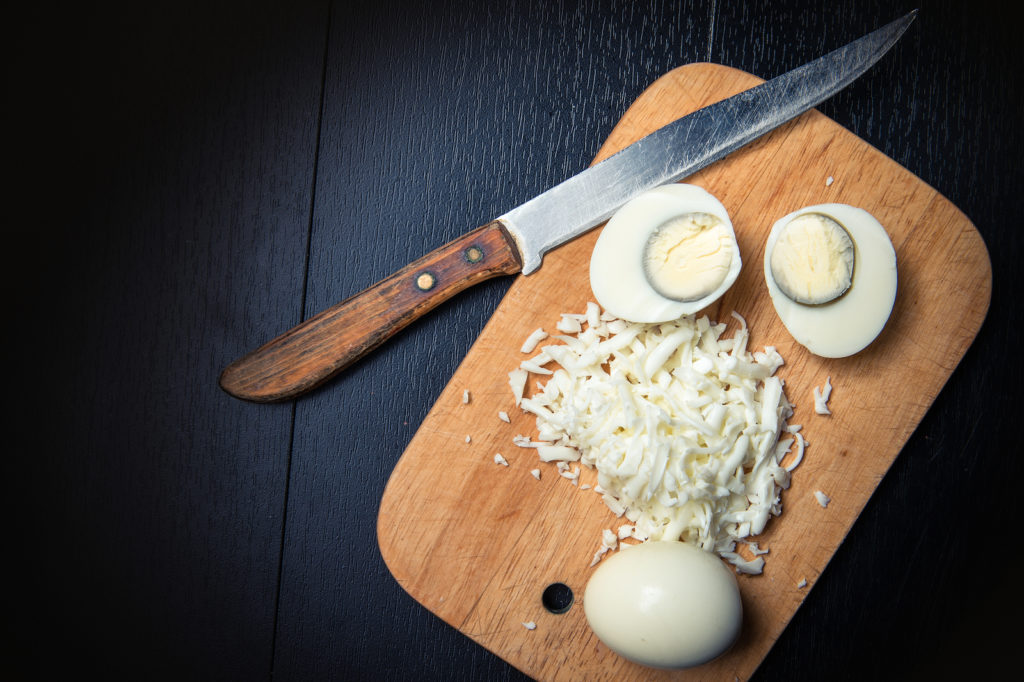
(749, 567)
(821, 396)
(801, 446)
(557, 453)
(503, 416)
(536, 363)
(755, 550)
(802, 584)
(517, 381)
(465, 396)
(530, 625)
(822, 498)
(569, 324)
(535, 473)
(498, 459)
(532, 340)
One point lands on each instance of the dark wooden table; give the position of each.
(193, 178)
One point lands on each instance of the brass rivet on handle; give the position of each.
(425, 281)
(474, 254)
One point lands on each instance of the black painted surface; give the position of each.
(193, 179)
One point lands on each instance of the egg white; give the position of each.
(617, 275)
(848, 324)
(664, 604)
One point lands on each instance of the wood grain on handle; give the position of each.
(316, 350)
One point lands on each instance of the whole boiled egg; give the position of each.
(664, 604)
(831, 274)
(666, 253)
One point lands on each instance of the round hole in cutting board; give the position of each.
(557, 597)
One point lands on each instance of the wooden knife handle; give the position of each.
(313, 352)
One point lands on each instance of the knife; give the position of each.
(319, 348)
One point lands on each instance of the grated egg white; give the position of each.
(681, 424)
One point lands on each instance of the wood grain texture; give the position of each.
(192, 178)
(477, 543)
(316, 350)
(182, 140)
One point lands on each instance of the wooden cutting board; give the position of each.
(476, 543)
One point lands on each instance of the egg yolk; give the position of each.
(812, 261)
(689, 256)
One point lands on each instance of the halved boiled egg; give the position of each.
(668, 252)
(831, 275)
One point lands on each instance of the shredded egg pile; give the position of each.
(683, 427)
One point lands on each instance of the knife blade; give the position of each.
(319, 348)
